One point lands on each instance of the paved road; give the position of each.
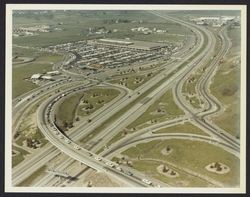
(150, 96)
(133, 112)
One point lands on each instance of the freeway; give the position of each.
(167, 136)
(181, 102)
(23, 170)
(152, 96)
(135, 111)
(83, 155)
(213, 105)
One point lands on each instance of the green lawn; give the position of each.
(193, 155)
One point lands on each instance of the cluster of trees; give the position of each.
(32, 143)
(166, 169)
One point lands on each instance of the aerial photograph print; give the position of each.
(125, 98)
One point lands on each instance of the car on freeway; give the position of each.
(128, 173)
(119, 168)
(90, 154)
(111, 164)
(61, 136)
(77, 147)
(98, 158)
(147, 181)
(67, 141)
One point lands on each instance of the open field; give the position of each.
(162, 109)
(96, 98)
(190, 155)
(226, 87)
(83, 104)
(65, 113)
(182, 128)
(134, 81)
(42, 64)
(75, 27)
(28, 131)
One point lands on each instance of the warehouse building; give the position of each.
(139, 45)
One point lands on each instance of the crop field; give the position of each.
(188, 154)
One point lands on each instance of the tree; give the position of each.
(89, 184)
(165, 169)
(168, 148)
(65, 124)
(77, 118)
(70, 125)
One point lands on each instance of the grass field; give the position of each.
(183, 180)
(66, 110)
(75, 27)
(187, 127)
(28, 127)
(162, 109)
(134, 81)
(104, 96)
(226, 87)
(71, 108)
(190, 154)
(42, 64)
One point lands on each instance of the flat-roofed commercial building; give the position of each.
(140, 45)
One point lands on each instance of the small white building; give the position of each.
(36, 76)
(47, 77)
(52, 73)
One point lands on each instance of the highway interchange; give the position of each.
(172, 77)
